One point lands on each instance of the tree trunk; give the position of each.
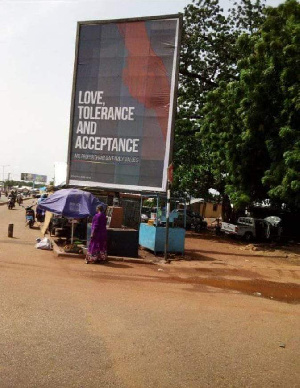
(226, 208)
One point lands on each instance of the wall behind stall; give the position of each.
(207, 209)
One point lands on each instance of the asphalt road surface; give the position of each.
(67, 324)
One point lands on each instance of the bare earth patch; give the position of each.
(262, 270)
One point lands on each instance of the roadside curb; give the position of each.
(58, 252)
(131, 260)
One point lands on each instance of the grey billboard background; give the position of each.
(101, 59)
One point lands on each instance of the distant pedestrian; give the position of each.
(19, 199)
(97, 250)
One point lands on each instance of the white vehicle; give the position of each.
(248, 228)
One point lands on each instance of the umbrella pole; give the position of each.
(72, 232)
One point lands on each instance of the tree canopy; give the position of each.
(238, 122)
(209, 55)
(251, 125)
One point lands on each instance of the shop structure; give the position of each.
(128, 226)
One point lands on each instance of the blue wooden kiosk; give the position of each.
(154, 237)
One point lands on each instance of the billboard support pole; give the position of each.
(170, 170)
(167, 221)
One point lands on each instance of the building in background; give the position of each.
(206, 209)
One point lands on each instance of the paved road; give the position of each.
(3, 198)
(67, 324)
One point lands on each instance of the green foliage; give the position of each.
(251, 125)
(13, 183)
(149, 202)
(212, 44)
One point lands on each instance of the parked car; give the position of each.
(248, 228)
(35, 193)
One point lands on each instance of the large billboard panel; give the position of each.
(29, 177)
(125, 82)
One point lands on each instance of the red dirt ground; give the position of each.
(262, 270)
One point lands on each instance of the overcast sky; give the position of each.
(37, 41)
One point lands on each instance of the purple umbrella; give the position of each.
(71, 203)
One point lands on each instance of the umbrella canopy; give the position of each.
(71, 203)
(273, 220)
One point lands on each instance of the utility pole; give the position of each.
(3, 167)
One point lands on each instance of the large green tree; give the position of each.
(209, 56)
(251, 125)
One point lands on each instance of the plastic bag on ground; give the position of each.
(45, 244)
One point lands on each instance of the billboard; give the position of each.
(123, 103)
(28, 177)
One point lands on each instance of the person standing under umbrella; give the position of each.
(97, 250)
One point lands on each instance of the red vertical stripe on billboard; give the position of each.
(145, 74)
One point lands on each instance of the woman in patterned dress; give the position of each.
(97, 251)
